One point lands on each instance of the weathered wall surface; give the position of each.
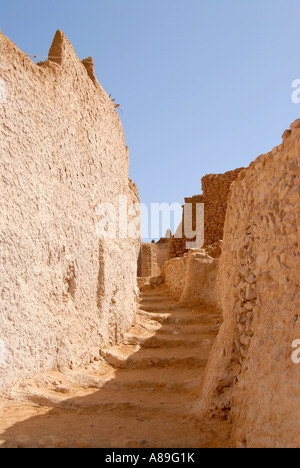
(63, 292)
(200, 280)
(152, 258)
(163, 248)
(216, 188)
(191, 279)
(148, 266)
(174, 273)
(177, 247)
(180, 245)
(251, 376)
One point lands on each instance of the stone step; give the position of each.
(156, 295)
(160, 300)
(131, 357)
(159, 306)
(211, 329)
(159, 379)
(131, 398)
(140, 394)
(167, 340)
(178, 318)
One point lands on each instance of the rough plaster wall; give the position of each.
(192, 278)
(174, 273)
(152, 258)
(148, 260)
(250, 375)
(163, 254)
(200, 280)
(64, 293)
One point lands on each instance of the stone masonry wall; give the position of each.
(163, 246)
(216, 188)
(178, 245)
(251, 377)
(64, 293)
(148, 261)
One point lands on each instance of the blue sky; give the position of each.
(205, 85)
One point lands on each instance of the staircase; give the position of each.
(141, 394)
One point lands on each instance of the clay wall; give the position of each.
(216, 188)
(251, 377)
(64, 292)
(152, 258)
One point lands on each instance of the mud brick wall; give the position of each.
(251, 377)
(174, 274)
(178, 245)
(148, 266)
(64, 292)
(191, 279)
(216, 188)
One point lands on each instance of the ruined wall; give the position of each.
(191, 279)
(250, 376)
(216, 188)
(152, 258)
(64, 292)
(174, 274)
(148, 261)
(177, 247)
(163, 253)
(200, 280)
(178, 244)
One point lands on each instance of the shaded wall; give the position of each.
(152, 258)
(216, 188)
